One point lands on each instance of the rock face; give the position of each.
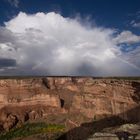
(125, 132)
(93, 99)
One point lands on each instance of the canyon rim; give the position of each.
(85, 106)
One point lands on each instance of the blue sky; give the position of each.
(118, 21)
(108, 13)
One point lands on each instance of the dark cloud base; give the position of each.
(4, 62)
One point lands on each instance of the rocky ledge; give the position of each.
(73, 101)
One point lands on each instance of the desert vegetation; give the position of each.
(50, 131)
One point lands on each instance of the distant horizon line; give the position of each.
(73, 76)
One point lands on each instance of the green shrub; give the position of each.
(32, 129)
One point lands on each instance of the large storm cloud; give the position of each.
(49, 44)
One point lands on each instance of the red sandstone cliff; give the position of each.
(76, 100)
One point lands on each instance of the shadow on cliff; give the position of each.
(87, 129)
(136, 86)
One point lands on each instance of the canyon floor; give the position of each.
(69, 108)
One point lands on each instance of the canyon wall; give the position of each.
(70, 97)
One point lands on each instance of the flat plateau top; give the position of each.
(96, 78)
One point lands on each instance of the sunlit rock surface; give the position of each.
(69, 100)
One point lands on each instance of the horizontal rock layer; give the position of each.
(31, 98)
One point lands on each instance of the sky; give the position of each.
(70, 37)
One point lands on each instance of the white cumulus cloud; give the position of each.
(127, 37)
(47, 43)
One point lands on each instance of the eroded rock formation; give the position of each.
(76, 100)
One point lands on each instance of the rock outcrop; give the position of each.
(91, 99)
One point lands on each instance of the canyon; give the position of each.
(85, 105)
